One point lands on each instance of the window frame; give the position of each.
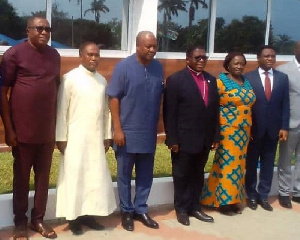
(142, 14)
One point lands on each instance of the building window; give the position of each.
(285, 24)
(240, 25)
(181, 24)
(13, 18)
(73, 22)
(77, 21)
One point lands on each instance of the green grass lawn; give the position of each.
(162, 167)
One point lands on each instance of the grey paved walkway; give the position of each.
(281, 224)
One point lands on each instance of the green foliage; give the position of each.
(97, 6)
(66, 30)
(10, 24)
(162, 167)
(246, 35)
(283, 44)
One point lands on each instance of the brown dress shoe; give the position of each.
(20, 231)
(44, 229)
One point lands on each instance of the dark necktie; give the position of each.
(267, 86)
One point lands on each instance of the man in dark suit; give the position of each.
(191, 117)
(270, 115)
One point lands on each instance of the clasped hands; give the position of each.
(175, 147)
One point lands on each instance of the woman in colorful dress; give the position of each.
(225, 188)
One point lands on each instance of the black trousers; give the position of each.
(188, 179)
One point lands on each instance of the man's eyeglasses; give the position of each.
(201, 57)
(40, 29)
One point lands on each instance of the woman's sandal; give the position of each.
(45, 230)
(226, 210)
(236, 208)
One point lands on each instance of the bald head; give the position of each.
(146, 47)
(142, 35)
(297, 51)
(31, 20)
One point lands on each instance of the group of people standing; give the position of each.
(242, 117)
(39, 109)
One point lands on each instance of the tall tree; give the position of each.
(194, 5)
(169, 8)
(244, 35)
(10, 23)
(97, 6)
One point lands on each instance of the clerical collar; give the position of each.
(192, 70)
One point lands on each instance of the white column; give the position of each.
(143, 17)
(268, 22)
(48, 15)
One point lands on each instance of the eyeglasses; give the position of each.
(200, 57)
(40, 29)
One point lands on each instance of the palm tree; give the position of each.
(194, 5)
(97, 6)
(170, 8)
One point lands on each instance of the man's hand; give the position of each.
(174, 148)
(283, 134)
(11, 138)
(61, 145)
(107, 144)
(215, 145)
(119, 137)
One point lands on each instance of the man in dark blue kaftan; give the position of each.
(135, 92)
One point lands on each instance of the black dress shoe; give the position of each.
(183, 218)
(285, 201)
(201, 216)
(265, 204)
(146, 220)
(90, 222)
(252, 203)
(75, 227)
(296, 199)
(127, 221)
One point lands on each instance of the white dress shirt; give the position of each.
(263, 76)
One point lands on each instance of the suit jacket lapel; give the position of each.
(275, 82)
(210, 89)
(257, 83)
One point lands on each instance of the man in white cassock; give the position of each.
(83, 133)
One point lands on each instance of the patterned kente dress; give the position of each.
(226, 182)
